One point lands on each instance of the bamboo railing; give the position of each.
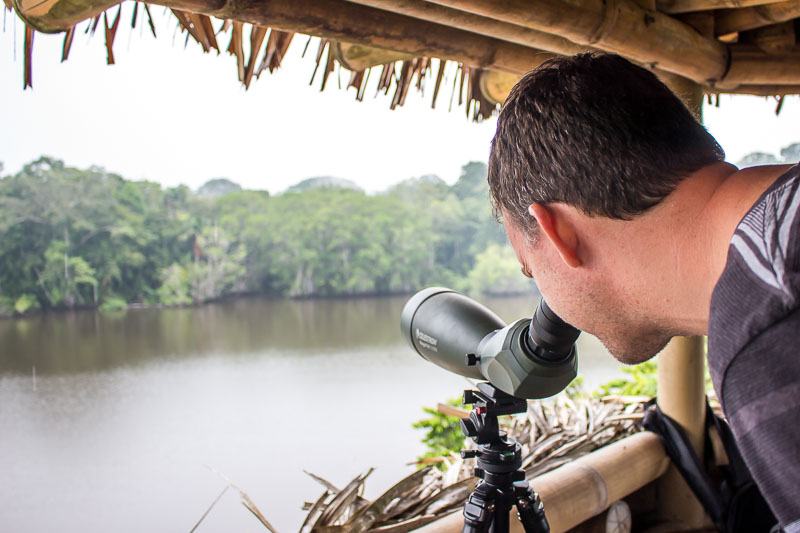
(584, 488)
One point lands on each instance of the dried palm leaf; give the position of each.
(552, 434)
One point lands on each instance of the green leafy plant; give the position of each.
(26, 303)
(641, 380)
(576, 389)
(496, 272)
(113, 304)
(443, 435)
(175, 286)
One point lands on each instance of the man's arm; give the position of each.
(761, 395)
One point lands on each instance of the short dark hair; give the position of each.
(596, 132)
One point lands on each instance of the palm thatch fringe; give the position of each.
(397, 74)
(551, 433)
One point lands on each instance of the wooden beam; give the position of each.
(751, 66)
(702, 22)
(357, 57)
(760, 90)
(662, 42)
(54, 16)
(496, 86)
(333, 19)
(420, 9)
(646, 4)
(686, 6)
(756, 17)
(345, 21)
(619, 26)
(775, 39)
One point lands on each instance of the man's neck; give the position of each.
(701, 216)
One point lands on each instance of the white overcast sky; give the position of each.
(175, 115)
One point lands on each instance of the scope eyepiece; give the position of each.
(549, 336)
(529, 358)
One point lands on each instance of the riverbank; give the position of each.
(118, 308)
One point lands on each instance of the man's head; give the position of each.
(584, 143)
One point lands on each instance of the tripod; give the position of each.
(499, 460)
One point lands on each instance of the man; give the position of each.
(622, 208)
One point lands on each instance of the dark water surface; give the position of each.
(131, 421)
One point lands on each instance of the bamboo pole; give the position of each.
(756, 17)
(586, 487)
(681, 396)
(333, 19)
(420, 9)
(644, 36)
(686, 6)
(495, 87)
(775, 39)
(53, 16)
(760, 90)
(751, 66)
(646, 4)
(702, 22)
(650, 38)
(619, 26)
(357, 57)
(391, 31)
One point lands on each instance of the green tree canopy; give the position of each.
(218, 187)
(85, 237)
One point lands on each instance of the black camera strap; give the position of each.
(731, 498)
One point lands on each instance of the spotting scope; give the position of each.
(530, 358)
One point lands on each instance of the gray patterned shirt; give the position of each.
(754, 344)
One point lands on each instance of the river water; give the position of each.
(131, 423)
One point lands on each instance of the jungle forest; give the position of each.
(83, 238)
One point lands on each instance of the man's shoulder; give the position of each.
(761, 281)
(765, 241)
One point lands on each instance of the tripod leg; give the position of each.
(479, 510)
(530, 509)
(494, 508)
(500, 524)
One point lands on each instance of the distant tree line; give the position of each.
(789, 154)
(89, 238)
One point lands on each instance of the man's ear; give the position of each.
(559, 232)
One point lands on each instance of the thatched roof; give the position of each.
(724, 46)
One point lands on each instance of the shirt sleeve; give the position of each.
(761, 394)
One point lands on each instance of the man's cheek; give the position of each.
(546, 277)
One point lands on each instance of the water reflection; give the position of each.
(87, 341)
(128, 410)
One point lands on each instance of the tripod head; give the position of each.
(488, 403)
(499, 458)
(499, 467)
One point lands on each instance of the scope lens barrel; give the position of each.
(444, 326)
(552, 338)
